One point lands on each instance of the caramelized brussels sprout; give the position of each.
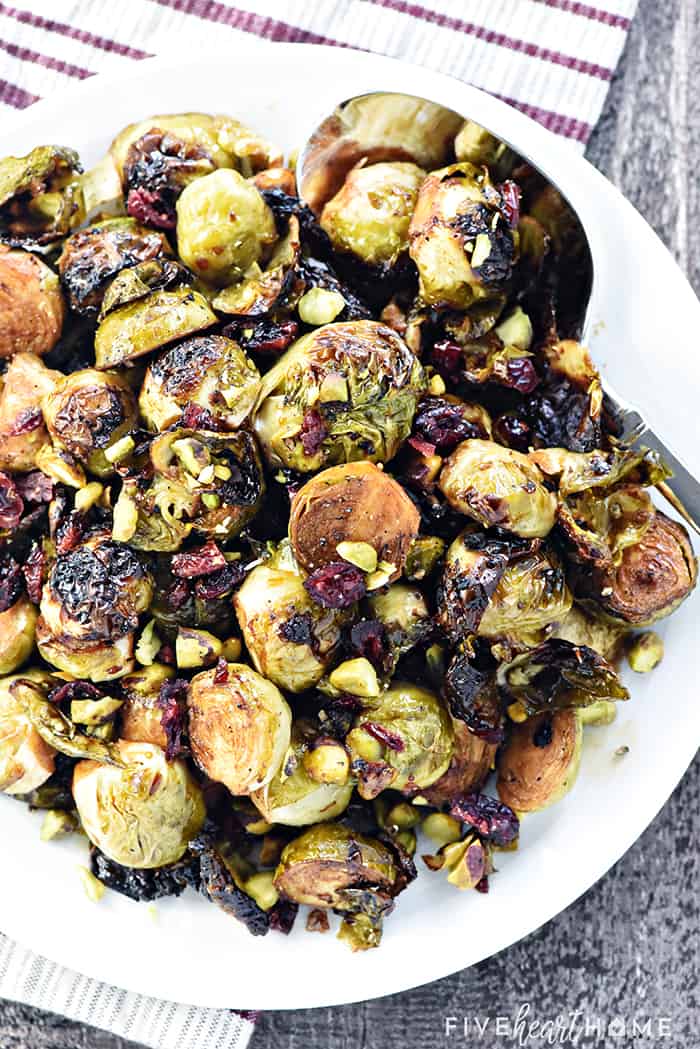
(357, 503)
(587, 626)
(402, 739)
(580, 471)
(26, 761)
(498, 487)
(141, 716)
(139, 327)
(403, 612)
(224, 226)
(459, 238)
(143, 814)
(17, 625)
(340, 393)
(86, 413)
(40, 196)
(239, 727)
(140, 281)
(210, 371)
(540, 762)
(370, 213)
(294, 799)
(471, 763)
(22, 429)
(478, 146)
(31, 304)
(290, 638)
(258, 292)
(93, 256)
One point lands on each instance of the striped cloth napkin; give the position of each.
(553, 59)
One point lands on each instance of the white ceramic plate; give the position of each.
(645, 330)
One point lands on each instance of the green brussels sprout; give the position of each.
(500, 590)
(478, 146)
(142, 815)
(404, 613)
(498, 486)
(40, 196)
(210, 371)
(424, 554)
(580, 471)
(149, 323)
(370, 213)
(139, 281)
(224, 226)
(290, 638)
(26, 760)
(240, 727)
(341, 393)
(459, 238)
(207, 482)
(540, 761)
(293, 799)
(32, 310)
(402, 739)
(260, 289)
(93, 256)
(87, 413)
(586, 626)
(17, 625)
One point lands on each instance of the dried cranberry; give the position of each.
(443, 424)
(336, 585)
(10, 582)
(424, 447)
(11, 504)
(283, 915)
(194, 417)
(446, 358)
(33, 571)
(220, 584)
(368, 639)
(221, 672)
(35, 487)
(520, 375)
(384, 735)
(490, 818)
(176, 595)
(510, 192)
(74, 690)
(313, 432)
(148, 208)
(28, 420)
(172, 700)
(483, 884)
(69, 532)
(266, 336)
(201, 561)
(510, 429)
(166, 654)
(298, 629)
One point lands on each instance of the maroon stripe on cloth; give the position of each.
(259, 25)
(490, 36)
(62, 29)
(15, 96)
(596, 14)
(569, 127)
(25, 55)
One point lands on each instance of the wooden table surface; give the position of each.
(630, 948)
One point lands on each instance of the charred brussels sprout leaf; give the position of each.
(137, 282)
(580, 471)
(149, 884)
(40, 196)
(217, 883)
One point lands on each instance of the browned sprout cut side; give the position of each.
(22, 430)
(540, 762)
(32, 310)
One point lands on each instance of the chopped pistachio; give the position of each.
(231, 649)
(211, 500)
(645, 652)
(436, 386)
(365, 746)
(327, 762)
(148, 645)
(125, 518)
(94, 712)
(94, 888)
(196, 648)
(362, 555)
(193, 455)
(515, 330)
(206, 476)
(262, 889)
(383, 574)
(441, 828)
(56, 823)
(517, 712)
(602, 712)
(88, 496)
(120, 449)
(59, 466)
(482, 250)
(333, 388)
(407, 840)
(403, 816)
(222, 472)
(320, 306)
(356, 676)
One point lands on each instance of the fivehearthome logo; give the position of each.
(575, 1028)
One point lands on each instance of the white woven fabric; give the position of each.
(554, 59)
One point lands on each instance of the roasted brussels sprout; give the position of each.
(478, 146)
(370, 213)
(141, 716)
(354, 504)
(587, 626)
(31, 304)
(294, 799)
(290, 638)
(342, 392)
(86, 413)
(239, 727)
(26, 761)
(138, 282)
(17, 625)
(90, 607)
(147, 324)
(202, 481)
(540, 761)
(581, 471)
(402, 739)
(143, 814)
(40, 196)
(498, 487)
(93, 256)
(460, 238)
(403, 612)
(224, 227)
(471, 763)
(257, 293)
(210, 371)
(22, 429)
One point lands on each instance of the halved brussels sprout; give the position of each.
(587, 626)
(239, 727)
(404, 614)
(26, 761)
(32, 310)
(93, 256)
(260, 289)
(402, 739)
(340, 393)
(498, 487)
(210, 371)
(459, 238)
(40, 196)
(143, 814)
(149, 323)
(224, 226)
(22, 430)
(540, 762)
(17, 625)
(370, 213)
(294, 799)
(471, 763)
(87, 413)
(478, 146)
(290, 638)
(358, 504)
(140, 281)
(141, 716)
(580, 471)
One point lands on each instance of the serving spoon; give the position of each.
(381, 126)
